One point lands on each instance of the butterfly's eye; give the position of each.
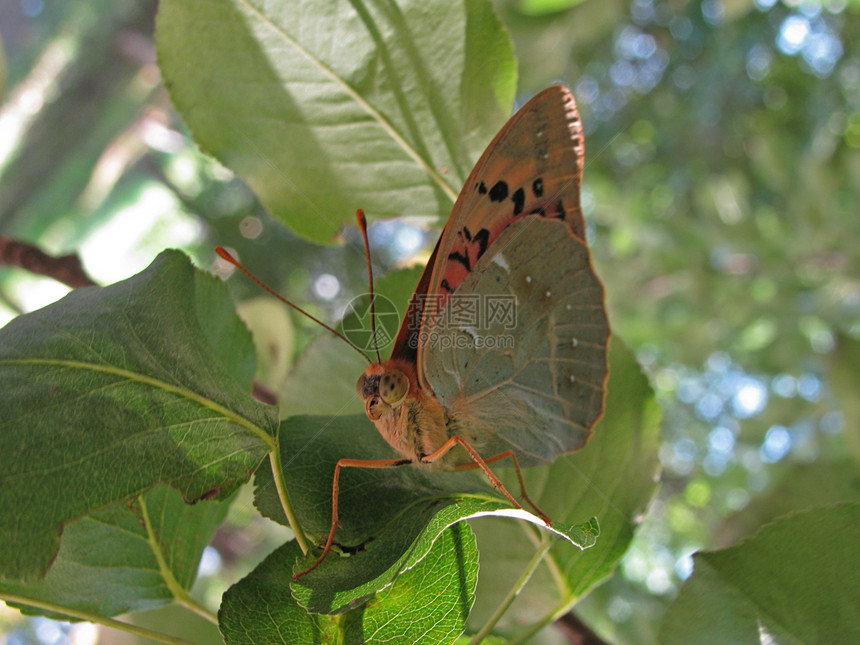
(393, 386)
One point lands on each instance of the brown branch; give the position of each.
(66, 269)
(264, 394)
(576, 631)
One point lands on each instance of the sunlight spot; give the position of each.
(713, 11)
(709, 406)
(764, 636)
(658, 581)
(210, 562)
(684, 566)
(809, 387)
(326, 286)
(792, 34)
(407, 241)
(130, 240)
(84, 634)
(34, 291)
(749, 399)
(737, 499)
(250, 227)
(721, 440)
(784, 385)
(48, 631)
(777, 443)
(619, 610)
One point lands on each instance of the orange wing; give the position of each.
(532, 167)
(406, 344)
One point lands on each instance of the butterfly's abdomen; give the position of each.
(425, 427)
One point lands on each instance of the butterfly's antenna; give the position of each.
(362, 226)
(225, 255)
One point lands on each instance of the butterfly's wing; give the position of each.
(533, 166)
(406, 344)
(529, 377)
(516, 232)
(514, 246)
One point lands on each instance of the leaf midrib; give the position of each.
(152, 382)
(361, 102)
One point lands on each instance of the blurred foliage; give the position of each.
(722, 179)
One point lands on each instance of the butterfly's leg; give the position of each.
(525, 495)
(345, 463)
(481, 463)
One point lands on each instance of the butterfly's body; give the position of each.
(415, 424)
(487, 409)
(453, 396)
(516, 232)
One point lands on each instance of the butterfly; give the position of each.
(502, 353)
(513, 256)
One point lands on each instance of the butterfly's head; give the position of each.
(382, 388)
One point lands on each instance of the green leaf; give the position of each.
(112, 552)
(429, 603)
(795, 581)
(328, 106)
(844, 379)
(225, 332)
(545, 7)
(612, 478)
(323, 380)
(389, 517)
(112, 390)
(799, 488)
(272, 329)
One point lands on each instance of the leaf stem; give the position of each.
(179, 593)
(534, 628)
(540, 552)
(281, 487)
(94, 618)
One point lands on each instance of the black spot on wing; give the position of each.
(462, 258)
(519, 200)
(481, 238)
(537, 187)
(499, 191)
(559, 210)
(482, 188)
